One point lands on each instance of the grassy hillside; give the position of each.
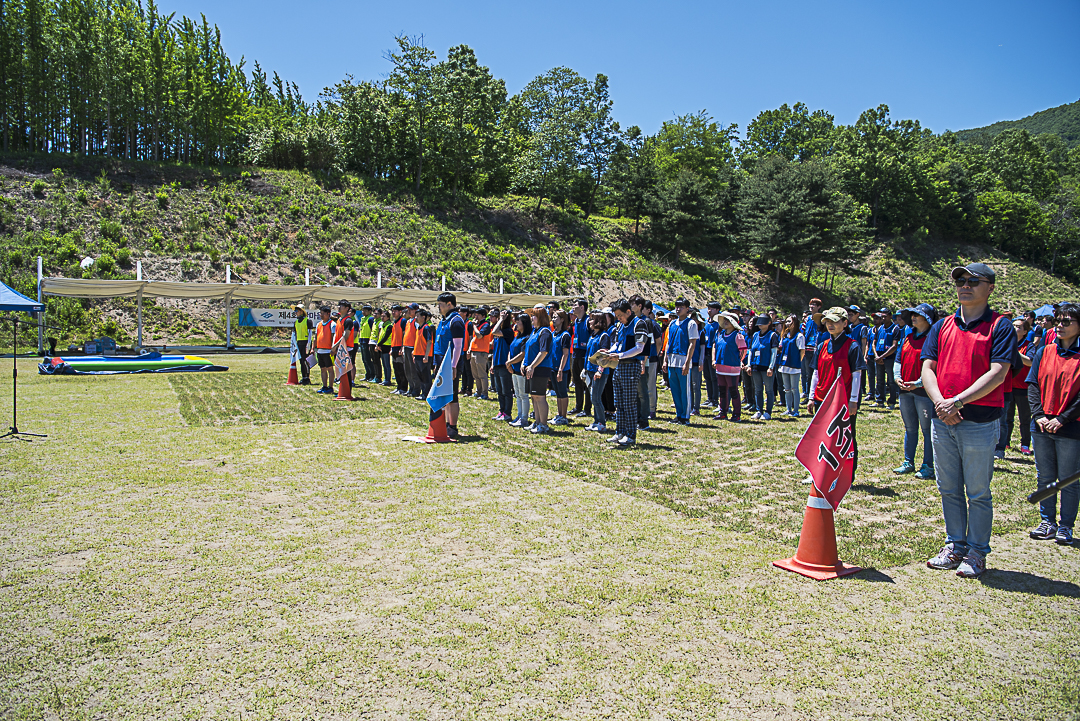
(188, 222)
(1063, 120)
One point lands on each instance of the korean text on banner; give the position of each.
(827, 448)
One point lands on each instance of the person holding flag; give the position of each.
(449, 343)
(839, 357)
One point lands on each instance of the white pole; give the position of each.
(500, 286)
(138, 276)
(228, 309)
(553, 287)
(444, 283)
(228, 274)
(138, 270)
(378, 280)
(41, 315)
(307, 276)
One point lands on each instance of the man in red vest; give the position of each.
(964, 361)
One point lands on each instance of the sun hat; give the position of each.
(924, 309)
(732, 318)
(762, 320)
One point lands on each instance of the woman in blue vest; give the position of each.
(502, 334)
(522, 330)
(729, 349)
(792, 353)
(763, 358)
(682, 341)
(596, 376)
(538, 365)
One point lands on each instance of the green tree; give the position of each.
(683, 211)
(697, 143)
(412, 78)
(554, 120)
(790, 133)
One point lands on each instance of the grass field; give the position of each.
(223, 546)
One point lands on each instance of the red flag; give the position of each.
(827, 448)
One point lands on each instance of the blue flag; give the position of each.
(442, 390)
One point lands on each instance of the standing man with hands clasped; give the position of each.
(964, 362)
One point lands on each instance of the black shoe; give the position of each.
(305, 382)
(451, 431)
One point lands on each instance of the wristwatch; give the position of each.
(957, 404)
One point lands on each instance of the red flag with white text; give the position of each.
(827, 448)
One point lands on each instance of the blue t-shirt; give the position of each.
(451, 327)
(539, 341)
(500, 351)
(516, 346)
(711, 329)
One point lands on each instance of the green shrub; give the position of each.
(123, 257)
(230, 220)
(264, 279)
(105, 264)
(110, 229)
(162, 199)
(39, 187)
(82, 197)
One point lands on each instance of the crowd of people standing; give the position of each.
(960, 380)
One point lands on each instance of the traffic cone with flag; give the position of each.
(441, 394)
(293, 380)
(294, 353)
(816, 557)
(344, 392)
(827, 449)
(436, 432)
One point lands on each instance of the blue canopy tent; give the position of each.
(14, 300)
(1044, 310)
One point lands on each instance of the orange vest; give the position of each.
(481, 343)
(421, 347)
(396, 334)
(324, 335)
(409, 338)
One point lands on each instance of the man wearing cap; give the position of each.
(345, 335)
(367, 321)
(408, 340)
(450, 339)
(886, 335)
(810, 333)
(579, 342)
(682, 339)
(964, 361)
(303, 328)
(324, 343)
(859, 333)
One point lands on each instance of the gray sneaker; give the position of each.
(615, 438)
(946, 560)
(1064, 536)
(626, 441)
(973, 565)
(1045, 531)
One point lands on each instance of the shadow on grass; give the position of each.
(874, 576)
(1024, 582)
(874, 490)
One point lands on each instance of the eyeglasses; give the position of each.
(972, 282)
(1063, 321)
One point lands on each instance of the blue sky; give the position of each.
(951, 65)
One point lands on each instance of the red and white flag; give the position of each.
(827, 448)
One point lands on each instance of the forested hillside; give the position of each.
(1062, 121)
(128, 133)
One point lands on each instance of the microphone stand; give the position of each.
(14, 431)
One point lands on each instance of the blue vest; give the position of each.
(790, 356)
(761, 348)
(581, 333)
(810, 332)
(532, 349)
(727, 348)
(883, 337)
(678, 341)
(596, 342)
(557, 342)
(626, 338)
(443, 334)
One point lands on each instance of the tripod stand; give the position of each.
(14, 431)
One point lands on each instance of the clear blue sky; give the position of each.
(951, 65)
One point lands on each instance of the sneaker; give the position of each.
(1064, 536)
(551, 393)
(879, 405)
(451, 431)
(926, 473)
(999, 455)
(946, 560)
(530, 426)
(560, 421)
(766, 417)
(501, 417)
(892, 408)
(517, 423)
(973, 565)
(795, 414)
(615, 438)
(1025, 451)
(652, 416)
(600, 428)
(1045, 531)
(581, 414)
(719, 417)
(905, 467)
(626, 441)
(305, 382)
(756, 417)
(536, 429)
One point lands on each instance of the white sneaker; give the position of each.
(615, 438)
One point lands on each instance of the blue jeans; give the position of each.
(917, 413)
(680, 391)
(1057, 458)
(763, 390)
(964, 465)
(791, 391)
(807, 372)
(596, 388)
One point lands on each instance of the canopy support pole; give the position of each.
(41, 315)
(138, 276)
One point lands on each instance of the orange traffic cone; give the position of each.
(436, 432)
(816, 557)
(344, 390)
(293, 380)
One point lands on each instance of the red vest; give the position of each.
(964, 356)
(1059, 380)
(1019, 378)
(828, 365)
(910, 354)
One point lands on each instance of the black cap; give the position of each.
(714, 304)
(885, 311)
(682, 301)
(345, 303)
(763, 320)
(977, 269)
(414, 306)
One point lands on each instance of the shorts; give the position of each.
(326, 360)
(561, 387)
(538, 384)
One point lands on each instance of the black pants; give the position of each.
(465, 372)
(423, 375)
(301, 345)
(582, 396)
(886, 382)
(871, 378)
(365, 357)
(504, 387)
(712, 392)
(644, 402)
(411, 378)
(1020, 407)
(399, 370)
